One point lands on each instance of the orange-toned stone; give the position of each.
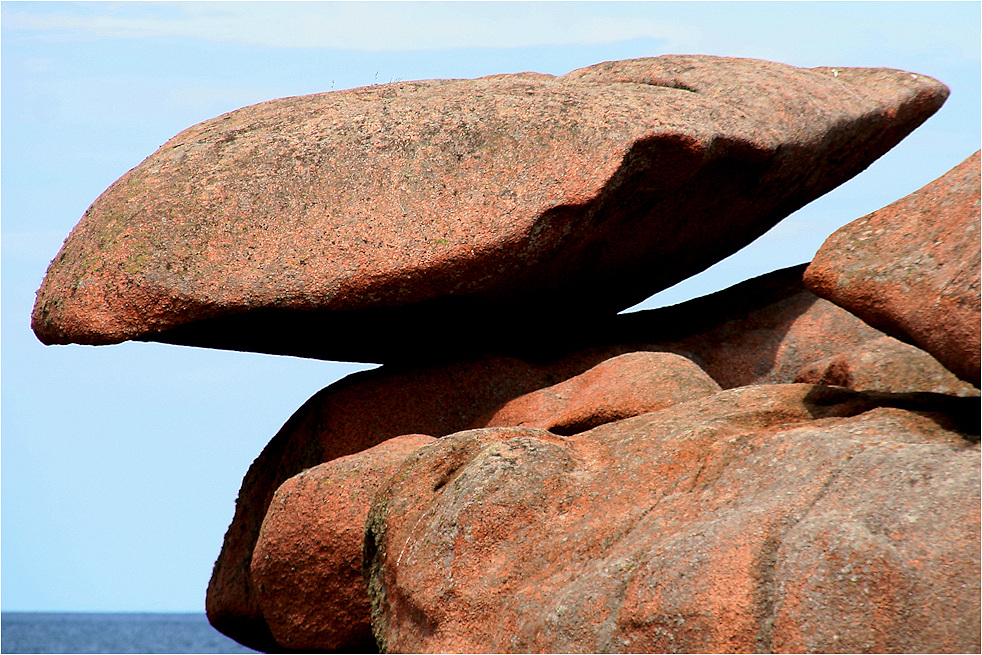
(368, 408)
(617, 388)
(310, 225)
(886, 364)
(769, 329)
(348, 417)
(760, 331)
(911, 269)
(307, 564)
(775, 517)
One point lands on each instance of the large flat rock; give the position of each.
(309, 225)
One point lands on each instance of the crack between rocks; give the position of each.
(670, 84)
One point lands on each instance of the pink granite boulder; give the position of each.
(772, 518)
(911, 269)
(348, 417)
(307, 564)
(309, 225)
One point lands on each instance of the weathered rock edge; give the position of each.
(308, 225)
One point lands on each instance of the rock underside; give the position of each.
(788, 465)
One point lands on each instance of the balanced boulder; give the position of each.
(911, 269)
(308, 225)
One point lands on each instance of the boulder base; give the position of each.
(766, 330)
(791, 518)
(307, 564)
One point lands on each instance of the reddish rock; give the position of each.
(886, 364)
(761, 331)
(617, 388)
(764, 330)
(778, 517)
(348, 417)
(309, 225)
(368, 408)
(911, 269)
(307, 564)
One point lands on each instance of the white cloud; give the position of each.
(368, 26)
(799, 33)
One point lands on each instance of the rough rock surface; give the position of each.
(886, 364)
(911, 269)
(765, 330)
(307, 565)
(760, 331)
(781, 517)
(368, 408)
(308, 225)
(350, 416)
(617, 388)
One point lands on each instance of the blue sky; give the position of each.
(120, 464)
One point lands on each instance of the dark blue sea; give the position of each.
(48, 632)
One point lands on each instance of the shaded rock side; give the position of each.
(307, 564)
(772, 330)
(760, 331)
(911, 269)
(886, 364)
(792, 518)
(308, 225)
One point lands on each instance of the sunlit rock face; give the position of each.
(307, 562)
(788, 518)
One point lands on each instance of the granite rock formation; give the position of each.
(762, 469)
(617, 388)
(794, 518)
(912, 269)
(307, 565)
(305, 225)
(762, 331)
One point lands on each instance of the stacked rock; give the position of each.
(787, 465)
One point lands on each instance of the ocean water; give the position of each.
(49, 632)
